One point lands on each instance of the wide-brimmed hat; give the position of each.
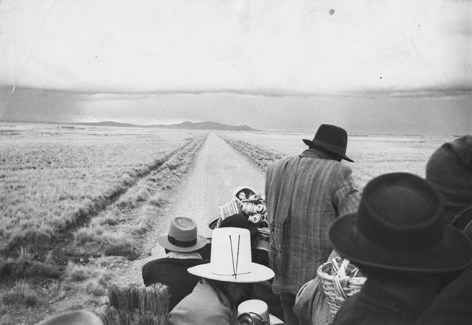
(230, 259)
(256, 308)
(77, 317)
(399, 226)
(332, 139)
(182, 236)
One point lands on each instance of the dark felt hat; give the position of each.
(399, 227)
(182, 236)
(332, 139)
(239, 220)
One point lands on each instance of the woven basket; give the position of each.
(340, 280)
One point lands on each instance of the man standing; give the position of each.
(304, 195)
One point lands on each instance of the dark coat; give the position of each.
(173, 273)
(453, 305)
(375, 306)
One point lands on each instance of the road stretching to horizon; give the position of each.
(217, 171)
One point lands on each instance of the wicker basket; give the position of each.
(340, 280)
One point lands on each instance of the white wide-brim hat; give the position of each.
(231, 259)
(259, 307)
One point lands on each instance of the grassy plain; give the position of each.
(75, 200)
(49, 173)
(373, 155)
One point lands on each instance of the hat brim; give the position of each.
(258, 273)
(164, 242)
(455, 254)
(311, 143)
(273, 320)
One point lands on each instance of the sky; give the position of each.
(371, 66)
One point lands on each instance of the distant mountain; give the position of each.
(108, 123)
(204, 126)
(185, 125)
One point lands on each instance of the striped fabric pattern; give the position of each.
(230, 208)
(322, 190)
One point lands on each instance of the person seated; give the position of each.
(226, 281)
(181, 244)
(399, 239)
(76, 317)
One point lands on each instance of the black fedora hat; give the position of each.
(332, 139)
(400, 227)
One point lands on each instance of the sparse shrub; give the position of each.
(157, 200)
(127, 179)
(78, 273)
(126, 203)
(21, 294)
(33, 237)
(141, 228)
(95, 288)
(89, 234)
(122, 248)
(142, 195)
(20, 269)
(55, 290)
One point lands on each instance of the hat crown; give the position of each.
(330, 138)
(332, 134)
(256, 306)
(230, 251)
(401, 212)
(183, 229)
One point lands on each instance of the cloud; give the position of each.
(243, 47)
(35, 105)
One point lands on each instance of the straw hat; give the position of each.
(78, 317)
(258, 307)
(332, 139)
(182, 236)
(399, 226)
(230, 259)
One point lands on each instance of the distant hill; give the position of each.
(204, 126)
(108, 123)
(185, 125)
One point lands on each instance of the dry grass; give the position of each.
(22, 293)
(52, 176)
(115, 231)
(373, 155)
(137, 305)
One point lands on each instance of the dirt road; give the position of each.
(218, 170)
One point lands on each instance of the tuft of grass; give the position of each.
(122, 248)
(127, 179)
(19, 269)
(142, 195)
(78, 273)
(157, 200)
(55, 290)
(96, 287)
(29, 237)
(137, 305)
(22, 293)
